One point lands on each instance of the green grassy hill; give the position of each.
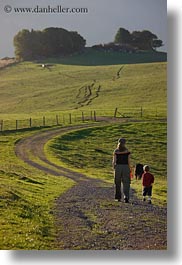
(27, 88)
(27, 194)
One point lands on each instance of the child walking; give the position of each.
(147, 181)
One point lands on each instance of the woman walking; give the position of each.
(121, 165)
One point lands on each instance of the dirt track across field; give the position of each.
(86, 216)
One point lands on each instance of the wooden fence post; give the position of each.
(141, 112)
(1, 123)
(115, 112)
(16, 124)
(30, 122)
(70, 118)
(83, 117)
(57, 120)
(44, 121)
(95, 119)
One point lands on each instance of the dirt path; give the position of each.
(86, 216)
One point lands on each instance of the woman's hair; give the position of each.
(121, 147)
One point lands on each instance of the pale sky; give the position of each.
(99, 25)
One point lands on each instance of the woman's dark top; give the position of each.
(121, 159)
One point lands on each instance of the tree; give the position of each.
(123, 36)
(22, 43)
(156, 43)
(144, 40)
(35, 43)
(78, 42)
(56, 41)
(49, 42)
(28, 44)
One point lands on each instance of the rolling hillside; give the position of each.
(27, 87)
(31, 192)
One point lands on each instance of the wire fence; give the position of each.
(73, 117)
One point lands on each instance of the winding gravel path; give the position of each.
(86, 216)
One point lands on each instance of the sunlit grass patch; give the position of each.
(27, 199)
(90, 151)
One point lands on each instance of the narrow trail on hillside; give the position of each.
(118, 74)
(87, 93)
(86, 216)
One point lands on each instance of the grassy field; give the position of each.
(27, 90)
(90, 151)
(27, 195)
(27, 198)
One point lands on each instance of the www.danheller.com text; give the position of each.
(49, 9)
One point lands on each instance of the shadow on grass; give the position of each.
(32, 129)
(92, 57)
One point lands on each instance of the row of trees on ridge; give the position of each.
(52, 42)
(49, 42)
(143, 40)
